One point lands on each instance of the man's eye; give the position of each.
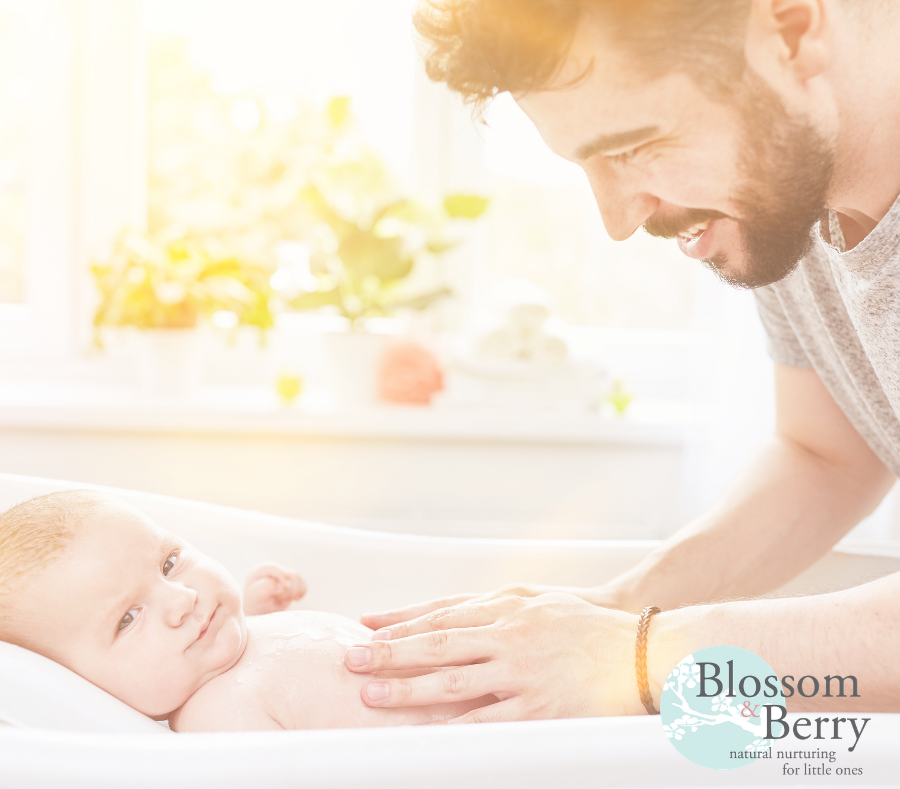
(128, 618)
(624, 157)
(170, 563)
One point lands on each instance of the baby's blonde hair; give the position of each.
(34, 532)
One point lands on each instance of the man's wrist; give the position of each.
(668, 643)
(614, 651)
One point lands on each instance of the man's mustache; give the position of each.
(671, 226)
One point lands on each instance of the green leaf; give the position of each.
(222, 268)
(439, 247)
(339, 110)
(462, 206)
(620, 397)
(364, 254)
(420, 302)
(313, 301)
(316, 202)
(408, 210)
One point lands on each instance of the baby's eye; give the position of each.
(170, 563)
(128, 618)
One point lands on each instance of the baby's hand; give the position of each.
(271, 587)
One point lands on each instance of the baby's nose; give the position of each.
(181, 601)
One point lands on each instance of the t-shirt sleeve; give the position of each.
(784, 347)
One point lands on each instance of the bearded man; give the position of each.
(764, 137)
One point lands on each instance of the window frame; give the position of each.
(87, 166)
(38, 326)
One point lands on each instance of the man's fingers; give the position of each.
(513, 709)
(387, 618)
(439, 648)
(475, 614)
(460, 683)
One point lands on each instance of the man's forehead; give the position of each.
(588, 83)
(605, 112)
(577, 122)
(600, 91)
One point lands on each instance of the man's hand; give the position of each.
(270, 588)
(549, 656)
(596, 596)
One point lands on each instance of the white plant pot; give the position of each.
(169, 361)
(353, 359)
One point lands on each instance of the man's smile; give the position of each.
(698, 241)
(694, 232)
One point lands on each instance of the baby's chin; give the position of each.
(231, 641)
(224, 653)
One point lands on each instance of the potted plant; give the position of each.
(361, 259)
(161, 288)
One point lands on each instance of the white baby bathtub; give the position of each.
(351, 571)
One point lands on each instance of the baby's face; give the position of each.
(135, 610)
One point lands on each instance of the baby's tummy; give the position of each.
(318, 696)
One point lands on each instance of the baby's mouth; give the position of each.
(208, 623)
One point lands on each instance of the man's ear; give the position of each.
(789, 38)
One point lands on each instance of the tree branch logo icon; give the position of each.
(711, 707)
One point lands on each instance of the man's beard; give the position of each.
(787, 167)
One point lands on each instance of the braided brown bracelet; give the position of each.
(640, 658)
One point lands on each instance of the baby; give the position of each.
(94, 584)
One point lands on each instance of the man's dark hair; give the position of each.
(483, 47)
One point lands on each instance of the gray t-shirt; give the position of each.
(839, 313)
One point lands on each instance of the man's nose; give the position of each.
(178, 603)
(623, 207)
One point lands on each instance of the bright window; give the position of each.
(36, 90)
(122, 112)
(16, 91)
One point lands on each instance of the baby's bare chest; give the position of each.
(294, 667)
(292, 671)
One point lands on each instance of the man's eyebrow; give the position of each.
(612, 142)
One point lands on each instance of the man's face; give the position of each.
(738, 183)
(135, 610)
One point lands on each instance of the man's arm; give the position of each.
(557, 656)
(848, 633)
(813, 481)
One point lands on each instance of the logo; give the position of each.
(713, 707)
(723, 707)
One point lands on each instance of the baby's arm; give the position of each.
(271, 588)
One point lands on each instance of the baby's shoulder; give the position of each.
(225, 703)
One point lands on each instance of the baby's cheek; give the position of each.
(154, 692)
(230, 643)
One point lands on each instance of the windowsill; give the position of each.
(256, 410)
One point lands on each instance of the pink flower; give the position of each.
(409, 373)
